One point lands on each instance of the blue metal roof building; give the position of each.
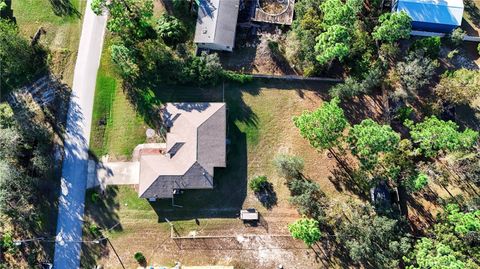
(432, 15)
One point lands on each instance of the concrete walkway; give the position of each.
(74, 170)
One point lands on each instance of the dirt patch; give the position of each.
(259, 53)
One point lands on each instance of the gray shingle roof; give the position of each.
(195, 145)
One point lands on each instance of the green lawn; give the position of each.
(116, 127)
(62, 21)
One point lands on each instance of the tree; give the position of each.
(20, 62)
(416, 71)
(125, 59)
(306, 230)
(377, 241)
(459, 87)
(2, 5)
(451, 244)
(392, 27)
(323, 127)
(171, 30)
(307, 197)
(203, 70)
(369, 139)
(127, 18)
(431, 255)
(435, 136)
(336, 12)
(332, 44)
(288, 166)
(353, 87)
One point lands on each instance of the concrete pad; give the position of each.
(113, 173)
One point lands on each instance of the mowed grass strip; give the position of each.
(116, 127)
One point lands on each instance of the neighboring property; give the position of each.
(216, 24)
(196, 144)
(432, 15)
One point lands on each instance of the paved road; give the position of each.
(79, 118)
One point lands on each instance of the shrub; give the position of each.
(288, 166)
(430, 45)
(417, 182)
(94, 230)
(456, 36)
(94, 197)
(140, 258)
(237, 77)
(258, 183)
(403, 113)
(7, 242)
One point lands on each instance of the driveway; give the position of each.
(74, 170)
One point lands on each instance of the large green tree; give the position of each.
(435, 136)
(392, 27)
(323, 127)
(306, 230)
(375, 241)
(171, 30)
(369, 139)
(332, 44)
(127, 18)
(460, 86)
(454, 242)
(337, 12)
(125, 59)
(416, 71)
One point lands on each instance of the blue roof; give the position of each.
(447, 12)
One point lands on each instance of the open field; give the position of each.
(62, 21)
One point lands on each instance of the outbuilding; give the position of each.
(216, 24)
(432, 15)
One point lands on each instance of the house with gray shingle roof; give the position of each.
(195, 145)
(216, 24)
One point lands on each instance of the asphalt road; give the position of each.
(74, 170)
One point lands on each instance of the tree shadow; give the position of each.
(473, 12)
(100, 209)
(64, 8)
(7, 12)
(267, 196)
(362, 107)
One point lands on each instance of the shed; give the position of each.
(216, 24)
(249, 214)
(432, 15)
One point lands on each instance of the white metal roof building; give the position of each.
(216, 24)
(432, 15)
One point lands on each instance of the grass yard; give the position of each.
(62, 21)
(116, 128)
(259, 127)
